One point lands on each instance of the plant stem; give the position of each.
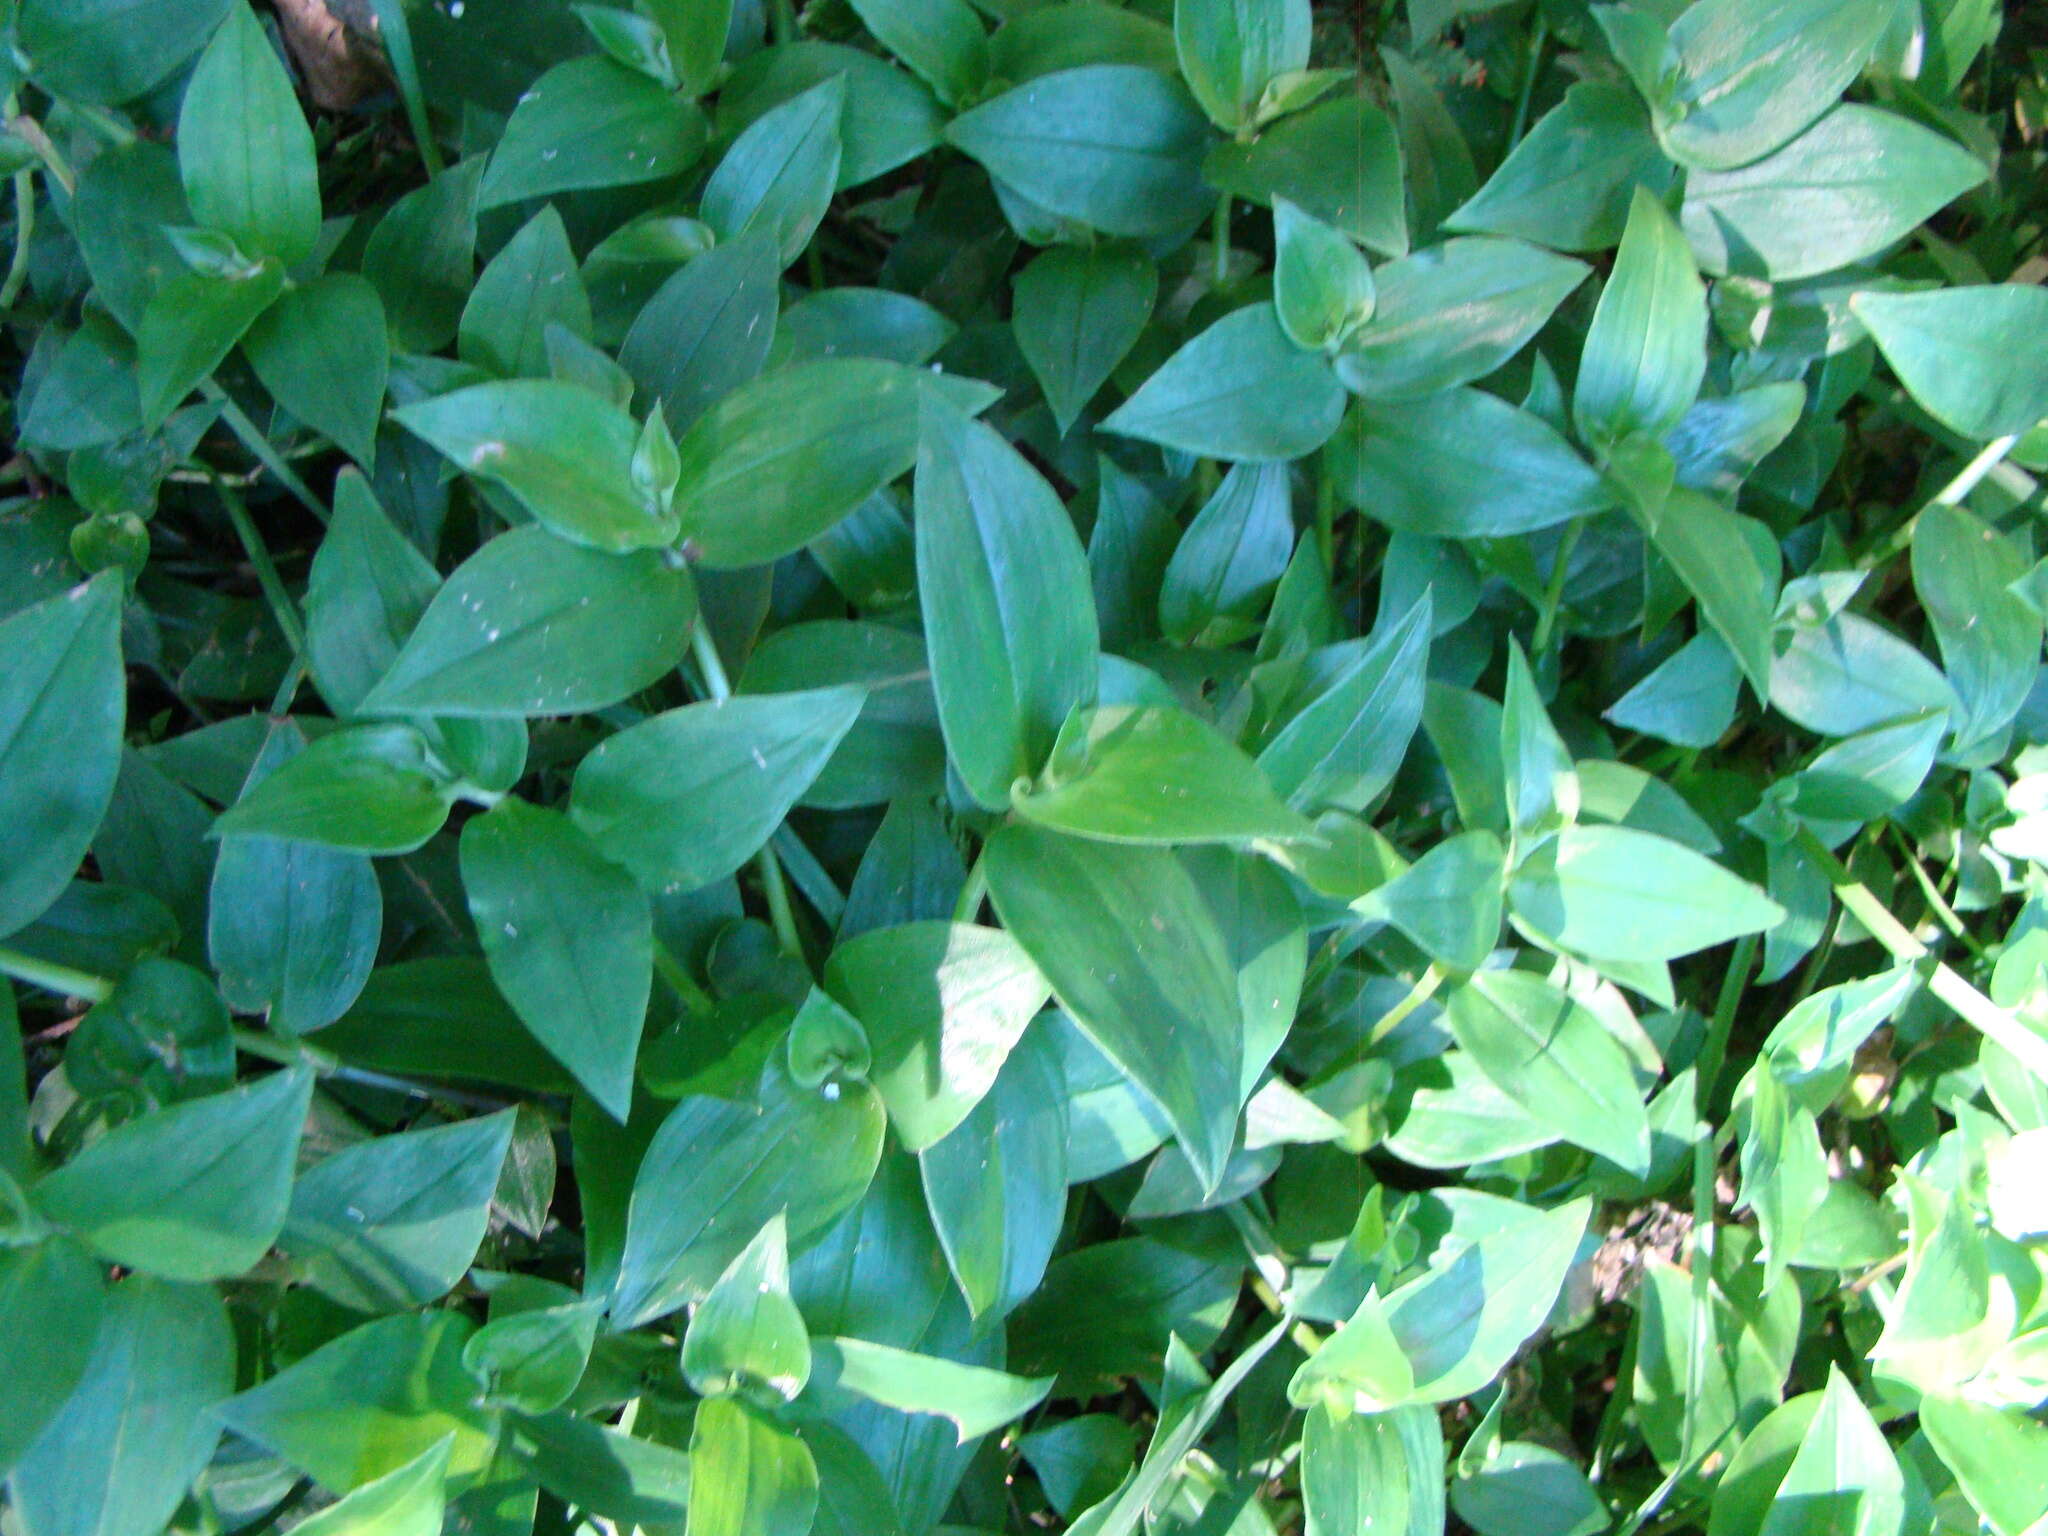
(280, 600)
(1424, 988)
(1553, 592)
(784, 14)
(975, 891)
(102, 122)
(1219, 241)
(52, 977)
(812, 880)
(1537, 39)
(24, 235)
(1963, 999)
(53, 158)
(1714, 1051)
(1965, 480)
(705, 650)
(252, 438)
(679, 980)
(1936, 903)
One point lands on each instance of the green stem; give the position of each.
(1965, 480)
(1963, 999)
(24, 234)
(52, 157)
(780, 912)
(1424, 989)
(1936, 903)
(252, 438)
(784, 13)
(812, 880)
(1553, 592)
(705, 650)
(1537, 39)
(679, 980)
(102, 122)
(1714, 1051)
(1326, 517)
(972, 894)
(286, 1053)
(52, 977)
(281, 606)
(1219, 240)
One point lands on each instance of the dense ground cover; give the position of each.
(1022, 766)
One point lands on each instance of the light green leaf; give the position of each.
(1844, 1478)
(409, 1501)
(1570, 182)
(747, 1330)
(395, 1222)
(1153, 774)
(1448, 901)
(1240, 390)
(568, 938)
(781, 459)
(122, 1451)
(191, 324)
(688, 796)
(1647, 349)
(1135, 955)
(1551, 1055)
(368, 788)
(1998, 1456)
(197, 1191)
(1007, 610)
(1615, 892)
(1230, 50)
(1718, 562)
(748, 1476)
(533, 625)
(62, 704)
(943, 1004)
(1453, 313)
(1952, 349)
(941, 40)
(244, 150)
(780, 173)
(1322, 284)
(1114, 146)
(976, 1399)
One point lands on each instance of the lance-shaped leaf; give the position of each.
(747, 1330)
(975, 1398)
(1647, 350)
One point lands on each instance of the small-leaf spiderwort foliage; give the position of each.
(892, 767)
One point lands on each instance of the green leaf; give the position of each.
(1529, 1489)
(1844, 1477)
(943, 1004)
(122, 1451)
(696, 31)
(1999, 1457)
(688, 796)
(941, 40)
(890, 118)
(748, 1476)
(533, 625)
(369, 789)
(1784, 1170)
(322, 351)
(532, 1361)
(244, 150)
(1077, 311)
(292, 927)
(1453, 313)
(1541, 789)
(568, 938)
(529, 285)
(780, 173)
(1229, 562)
(395, 1222)
(1230, 50)
(197, 1191)
(367, 589)
(62, 704)
(1963, 574)
(190, 326)
(1611, 891)
(125, 199)
(747, 1330)
(363, 1405)
(1106, 1310)
(55, 1302)
(1745, 79)
(591, 123)
(1463, 464)
(1551, 1055)
(1359, 1472)
(1952, 350)
(976, 1399)
(1239, 390)
(1852, 184)
(1647, 349)
(1135, 956)
(421, 256)
(614, 1476)
(707, 330)
(1448, 901)
(716, 1171)
(1322, 284)
(1113, 146)
(1851, 674)
(1717, 561)
(997, 1183)
(1345, 737)
(102, 50)
(563, 452)
(1340, 161)
(1007, 610)
(409, 1501)
(1569, 183)
(781, 459)
(1153, 774)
